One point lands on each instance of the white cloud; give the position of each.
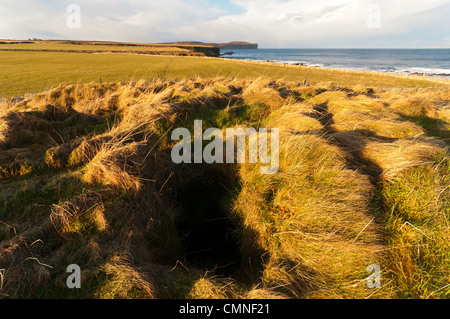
(298, 23)
(272, 23)
(126, 20)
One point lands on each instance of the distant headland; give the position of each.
(234, 45)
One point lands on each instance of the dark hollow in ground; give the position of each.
(210, 237)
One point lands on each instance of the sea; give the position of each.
(430, 62)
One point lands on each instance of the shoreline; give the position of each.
(291, 64)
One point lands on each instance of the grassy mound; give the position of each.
(87, 178)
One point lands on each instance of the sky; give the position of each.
(270, 23)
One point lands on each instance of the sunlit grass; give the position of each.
(87, 177)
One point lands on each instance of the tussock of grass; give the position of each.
(402, 154)
(310, 217)
(295, 118)
(84, 213)
(362, 180)
(112, 165)
(212, 288)
(418, 229)
(122, 281)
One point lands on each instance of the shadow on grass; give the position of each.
(433, 127)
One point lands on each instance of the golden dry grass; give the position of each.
(363, 179)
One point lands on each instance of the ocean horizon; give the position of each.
(430, 62)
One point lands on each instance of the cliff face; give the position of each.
(229, 46)
(211, 51)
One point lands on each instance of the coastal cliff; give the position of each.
(210, 51)
(234, 45)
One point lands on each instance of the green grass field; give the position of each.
(32, 72)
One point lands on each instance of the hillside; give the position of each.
(87, 178)
(69, 46)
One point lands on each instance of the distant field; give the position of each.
(85, 47)
(31, 72)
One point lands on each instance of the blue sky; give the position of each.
(227, 6)
(271, 23)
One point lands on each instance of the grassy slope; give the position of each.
(31, 72)
(363, 179)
